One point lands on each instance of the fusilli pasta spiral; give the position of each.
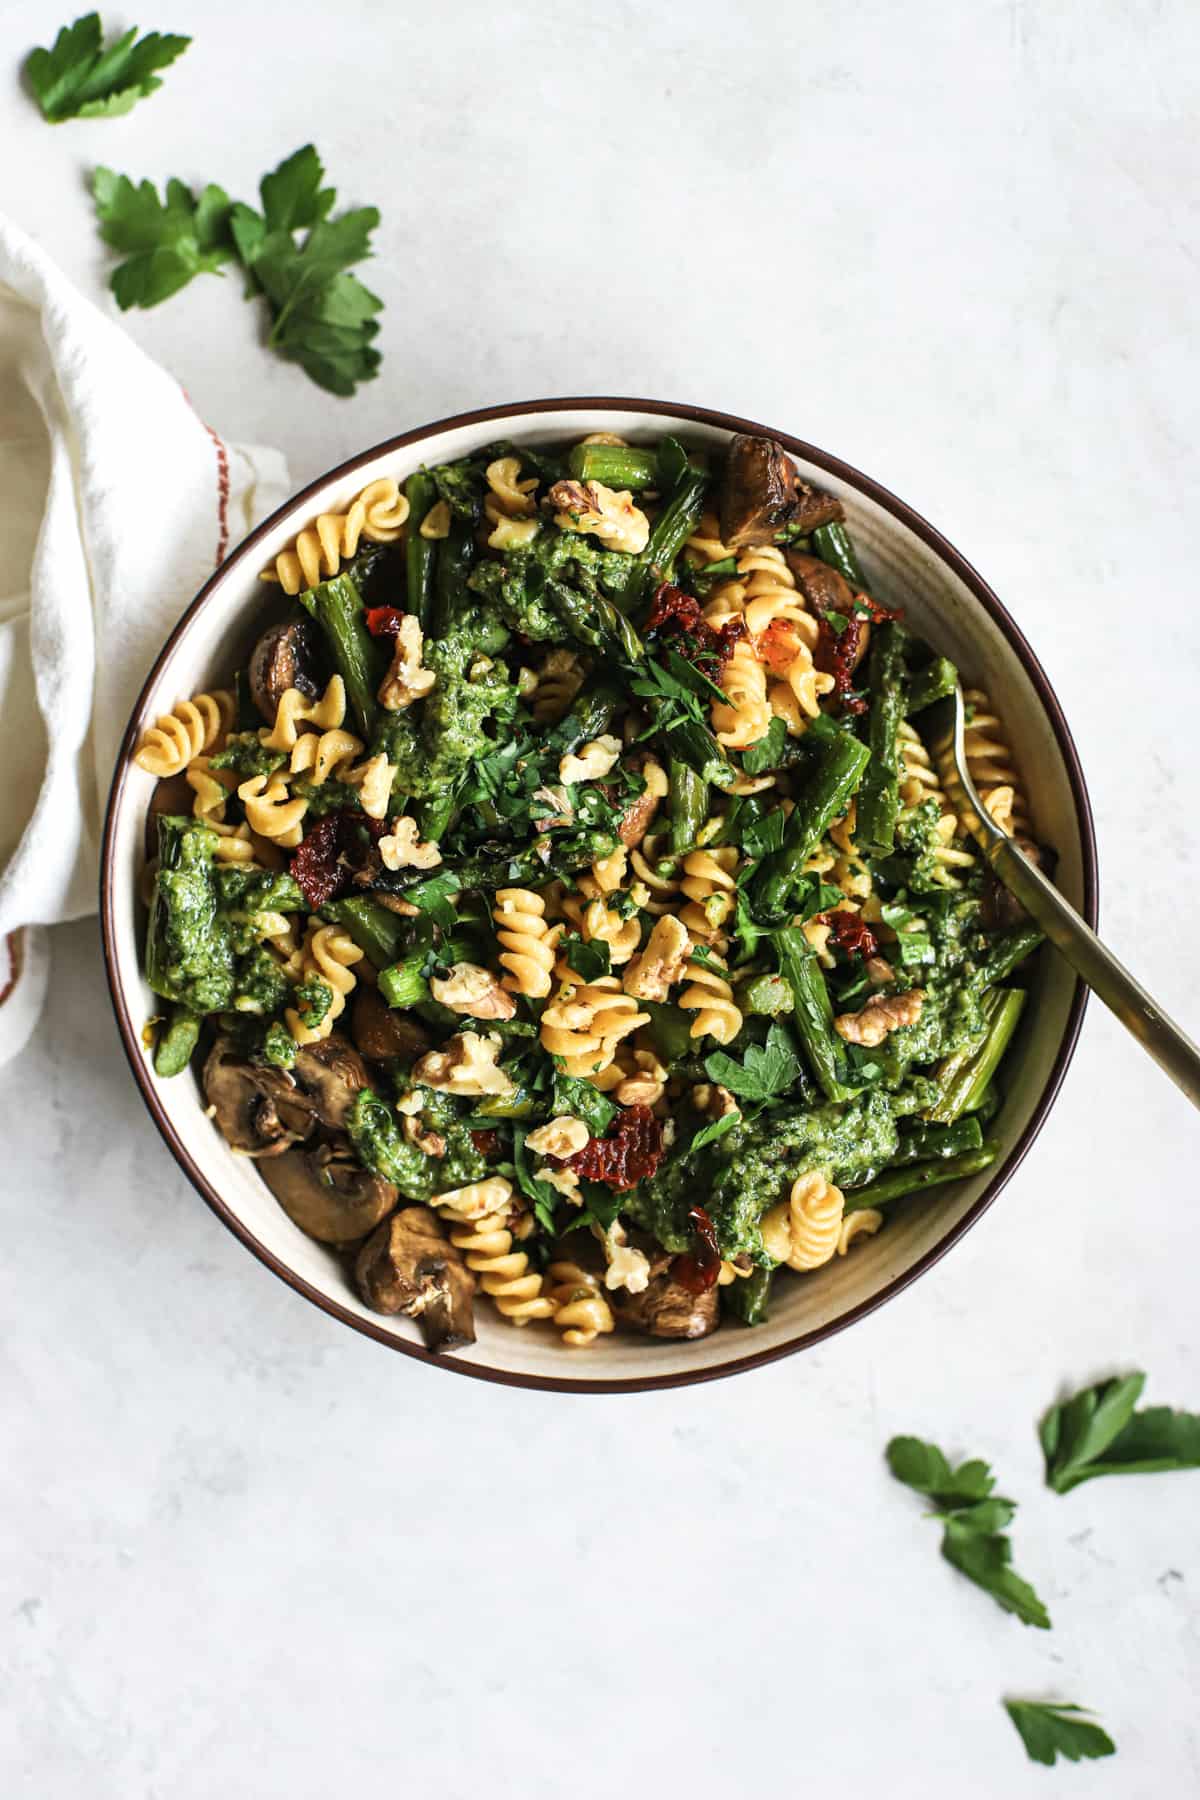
(580, 1310)
(271, 811)
(864, 1223)
(318, 753)
(657, 871)
(804, 1230)
(529, 943)
(991, 766)
(479, 1218)
(378, 513)
(918, 783)
(177, 738)
(559, 680)
(211, 788)
(709, 881)
(329, 953)
(586, 1021)
(296, 710)
(710, 997)
(743, 717)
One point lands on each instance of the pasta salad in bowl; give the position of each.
(534, 912)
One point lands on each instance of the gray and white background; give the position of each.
(245, 1552)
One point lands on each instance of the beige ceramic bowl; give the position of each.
(908, 564)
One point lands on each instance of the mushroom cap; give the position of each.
(284, 657)
(328, 1193)
(408, 1266)
(262, 1110)
(380, 1032)
(666, 1309)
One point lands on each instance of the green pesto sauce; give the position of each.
(189, 957)
(380, 1146)
(430, 753)
(750, 1168)
(245, 755)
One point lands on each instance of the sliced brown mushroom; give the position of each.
(823, 588)
(407, 1266)
(666, 1309)
(1000, 909)
(284, 657)
(251, 1104)
(328, 1193)
(262, 1110)
(380, 1032)
(761, 492)
(327, 1079)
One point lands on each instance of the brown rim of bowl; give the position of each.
(131, 1038)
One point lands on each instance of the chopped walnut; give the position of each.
(403, 849)
(882, 1014)
(714, 1100)
(651, 975)
(561, 812)
(467, 1065)
(627, 1268)
(562, 1137)
(589, 506)
(431, 1143)
(472, 990)
(879, 971)
(595, 760)
(565, 1180)
(407, 679)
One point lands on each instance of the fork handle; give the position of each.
(1170, 1047)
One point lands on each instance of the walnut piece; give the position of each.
(594, 760)
(472, 990)
(467, 1065)
(591, 507)
(627, 1268)
(879, 971)
(407, 679)
(882, 1014)
(565, 1180)
(432, 1143)
(403, 849)
(651, 975)
(562, 1137)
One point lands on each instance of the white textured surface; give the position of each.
(243, 1551)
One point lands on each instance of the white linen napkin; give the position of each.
(116, 502)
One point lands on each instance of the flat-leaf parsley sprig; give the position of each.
(322, 317)
(77, 78)
(973, 1520)
(1049, 1730)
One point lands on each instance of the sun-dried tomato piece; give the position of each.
(486, 1142)
(697, 1271)
(330, 853)
(384, 621)
(839, 647)
(706, 648)
(850, 932)
(632, 1153)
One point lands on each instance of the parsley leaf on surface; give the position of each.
(768, 1069)
(973, 1521)
(984, 1557)
(1049, 1730)
(78, 79)
(1097, 1432)
(322, 316)
(165, 242)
